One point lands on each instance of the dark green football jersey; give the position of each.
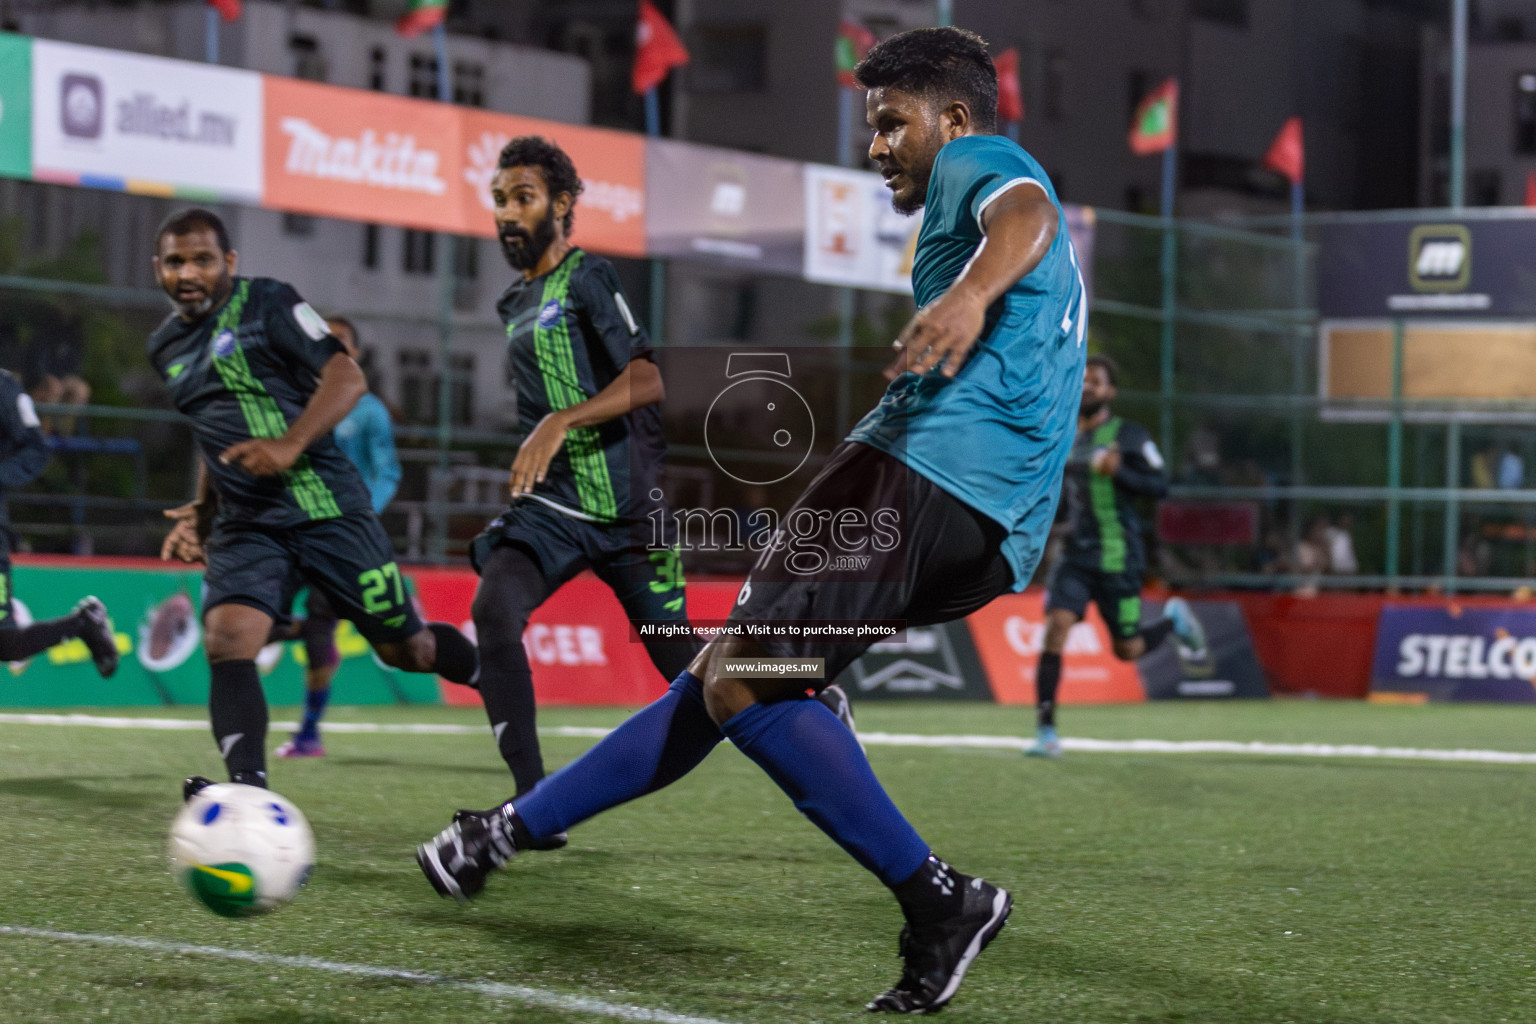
(569, 334)
(1105, 527)
(247, 370)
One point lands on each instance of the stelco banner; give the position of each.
(1428, 267)
(1456, 653)
(107, 119)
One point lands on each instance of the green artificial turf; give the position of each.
(1149, 888)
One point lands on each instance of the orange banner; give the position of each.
(610, 215)
(1008, 633)
(359, 155)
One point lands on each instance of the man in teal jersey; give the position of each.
(367, 438)
(946, 490)
(264, 382)
(1114, 464)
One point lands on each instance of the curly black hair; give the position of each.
(943, 64)
(195, 218)
(1111, 370)
(559, 173)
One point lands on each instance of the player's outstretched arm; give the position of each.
(341, 385)
(638, 384)
(1017, 231)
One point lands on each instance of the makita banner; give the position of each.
(1456, 653)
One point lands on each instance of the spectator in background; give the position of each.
(1341, 546)
(367, 437)
(69, 389)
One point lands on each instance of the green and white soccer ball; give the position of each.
(241, 850)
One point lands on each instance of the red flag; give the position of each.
(1530, 188)
(853, 42)
(1010, 99)
(1286, 154)
(657, 49)
(1155, 126)
(423, 16)
(228, 9)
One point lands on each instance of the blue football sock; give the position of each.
(653, 748)
(820, 765)
(314, 708)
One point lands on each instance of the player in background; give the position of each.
(1114, 463)
(23, 456)
(367, 438)
(264, 382)
(970, 440)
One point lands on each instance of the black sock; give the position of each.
(21, 644)
(506, 686)
(931, 894)
(1047, 679)
(237, 708)
(1156, 633)
(457, 659)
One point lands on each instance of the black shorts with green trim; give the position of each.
(643, 570)
(1118, 595)
(348, 559)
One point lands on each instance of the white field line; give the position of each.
(494, 989)
(879, 739)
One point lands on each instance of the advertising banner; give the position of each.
(127, 122)
(360, 155)
(1227, 668)
(1456, 653)
(610, 214)
(724, 207)
(930, 663)
(15, 106)
(1008, 633)
(1438, 267)
(158, 620)
(852, 235)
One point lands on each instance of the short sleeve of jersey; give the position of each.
(973, 172)
(296, 331)
(603, 305)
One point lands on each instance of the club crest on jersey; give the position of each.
(549, 315)
(224, 343)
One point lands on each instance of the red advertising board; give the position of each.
(610, 214)
(1008, 632)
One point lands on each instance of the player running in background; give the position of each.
(969, 440)
(367, 438)
(23, 455)
(1114, 463)
(264, 383)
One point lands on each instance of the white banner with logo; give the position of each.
(852, 235)
(150, 125)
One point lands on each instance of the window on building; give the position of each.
(419, 252)
(298, 225)
(1053, 88)
(468, 83)
(423, 82)
(1483, 187)
(1228, 12)
(1525, 113)
(378, 69)
(308, 62)
(727, 58)
(371, 246)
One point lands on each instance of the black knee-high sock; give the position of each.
(22, 643)
(1156, 633)
(237, 709)
(506, 686)
(457, 659)
(1047, 679)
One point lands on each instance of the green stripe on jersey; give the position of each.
(1101, 491)
(263, 418)
(562, 386)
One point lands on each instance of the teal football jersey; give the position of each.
(996, 435)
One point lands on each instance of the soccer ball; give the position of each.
(241, 850)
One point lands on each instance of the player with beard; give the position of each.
(264, 382)
(1114, 464)
(969, 442)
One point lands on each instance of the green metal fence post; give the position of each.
(1170, 270)
(1452, 502)
(1395, 458)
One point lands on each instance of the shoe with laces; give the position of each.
(96, 633)
(936, 956)
(300, 746)
(836, 699)
(193, 785)
(1187, 631)
(458, 859)
(1046, 744)
(524, 841)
